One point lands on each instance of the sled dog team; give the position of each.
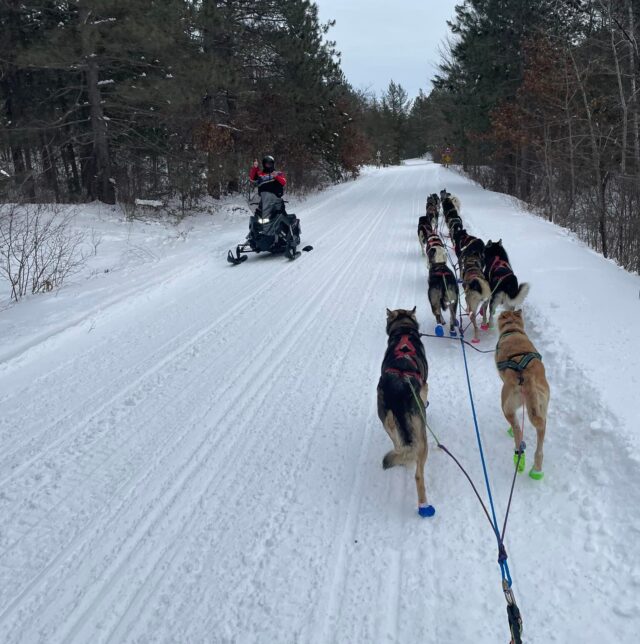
(488, 282)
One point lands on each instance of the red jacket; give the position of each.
(268, 182)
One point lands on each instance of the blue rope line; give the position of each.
(502, 557)
(502, 554)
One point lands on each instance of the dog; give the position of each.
(434, 247)
(443, 290)
(449, 202)
(453, 221)
(436, 200)
(402, 397)
(524, 382)
(503, 283)
(432, 210)
(424, 230)
(466, 245)
(476, 290)
(451, 215)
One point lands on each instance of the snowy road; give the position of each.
(203, 462)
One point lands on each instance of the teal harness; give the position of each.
(517, 365)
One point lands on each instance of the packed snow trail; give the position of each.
(202, 462)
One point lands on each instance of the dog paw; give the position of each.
(426, 511)
(536, 475)
(475, 341)
(484, 327)
(520, 463)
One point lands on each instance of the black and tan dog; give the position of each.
(424, 230)
(452, 215)
(432, 210)
(443, 291)
(434, 248)
(503, 283)
(435, 200)
(402, 396)
(449, 202)
(524, 383)
(476, 290)
(465, 245)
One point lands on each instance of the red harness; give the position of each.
(443, 272)
(497, 264)
(472, 273)
(434, 241)
(404, 350)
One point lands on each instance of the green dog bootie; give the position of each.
(521, 464)
(536, 475)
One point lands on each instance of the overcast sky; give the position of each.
(382, 40)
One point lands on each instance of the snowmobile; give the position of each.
(271, 229)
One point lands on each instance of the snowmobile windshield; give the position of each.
(270, 205)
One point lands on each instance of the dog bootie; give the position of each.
(439, 330)
(453, 333)
(426, 511)
(521, 463)
(484, 326)
(536, 475)
(475, 340)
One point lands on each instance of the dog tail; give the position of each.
(517, 301)
(456, 203)
(403, 456)
(480, 286)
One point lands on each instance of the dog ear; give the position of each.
(519, 313)
(413, 311)
(499, 242)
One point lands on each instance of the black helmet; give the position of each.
(268, 163)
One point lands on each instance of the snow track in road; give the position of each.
(212, 471)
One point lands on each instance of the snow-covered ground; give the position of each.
(190, 451)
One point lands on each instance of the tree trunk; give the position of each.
(623, 99)
(600, 181)
(633, 67)
(49, 168)
(101, 185)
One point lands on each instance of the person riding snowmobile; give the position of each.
(271, 228)
(268, 179)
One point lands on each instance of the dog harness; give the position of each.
(471, 274)
(470, 241)
(433, 241)
(500, 265)
(440, 272)
(405, 350)
(517, 365)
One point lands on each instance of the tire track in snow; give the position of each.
(166, 359)
(337, 586)
(231, 312)
(328, 279)
(161, 356)
(233, 484)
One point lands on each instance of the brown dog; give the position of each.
(524, 382)
(402, 395)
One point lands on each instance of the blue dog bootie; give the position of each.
(426, 511)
